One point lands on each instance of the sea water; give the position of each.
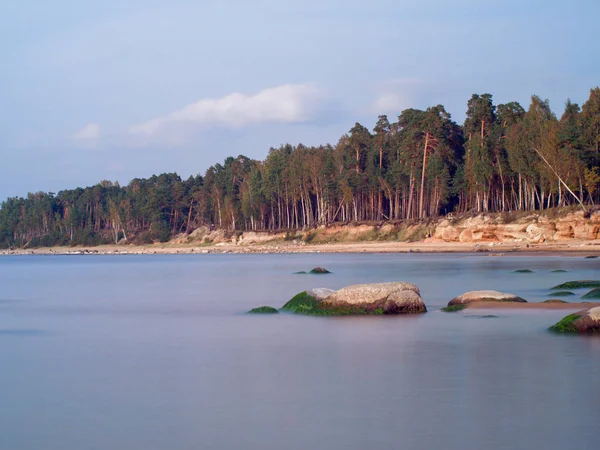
(155, 352)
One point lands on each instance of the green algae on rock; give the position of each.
(562, 293)
(454, 308)
(523, 271)
(558, 271)
(578, 284)
(360, 299)
(582, 322)
(593, 294)
(554, 300)
(263, 310)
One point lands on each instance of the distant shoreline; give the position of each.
(576, 248)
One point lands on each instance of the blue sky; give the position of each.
(118, 89)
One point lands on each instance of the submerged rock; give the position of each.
(319, 271)
(593, 294)
(263, 310)
(562, 293)
(523, 271)
(554, 300)
(578, 284)
(484, 296)
(582, 322)
(381, 298)
(558, 271)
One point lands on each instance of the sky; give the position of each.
(119, 89)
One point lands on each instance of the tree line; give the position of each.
(502, 158)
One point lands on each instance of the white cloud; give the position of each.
(90, 132)
(290, 103)
(396, 96)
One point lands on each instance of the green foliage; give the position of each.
(578, 284)
(566, 324)
(263, 310)
(454, 308)
(418, 166)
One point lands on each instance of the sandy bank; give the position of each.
(574, 247)
(537, 305)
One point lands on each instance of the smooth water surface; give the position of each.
(155, 352)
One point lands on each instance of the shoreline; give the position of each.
(564, 248)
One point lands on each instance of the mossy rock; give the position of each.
(306, 304)
(593, 294)
(523, 271)
(581, 322)
(319, 271)
(554, 300)
(579, 284)
(263, 310)
(566, 324)
(454, 308)
(558, 271)
(562, 293)
(301, 301)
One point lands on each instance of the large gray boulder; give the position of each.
(386, 298)
(484, 296)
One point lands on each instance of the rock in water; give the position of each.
(484, 296)
(582, 322)
(382, 298)
(263, 310)
(320, 293)
(319, 271)
(593, 294)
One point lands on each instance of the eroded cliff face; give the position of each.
(533, 228)
(530, 228)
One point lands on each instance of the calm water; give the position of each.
(154, 352)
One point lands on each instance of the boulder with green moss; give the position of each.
(484, 296)
(582, 322)
(263, 310)
(593, 294)
(578, 284)
(361, 299)
(380, 298)
(562, 293)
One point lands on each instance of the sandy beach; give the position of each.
(575, 247)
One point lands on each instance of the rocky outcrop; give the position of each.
(530, 228)
(484, 296)
(582, 322)
(384, 298)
